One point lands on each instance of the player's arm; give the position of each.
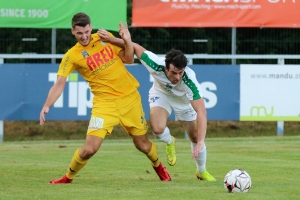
(103, 34)
(201, 119)
(106, 37)
(127, 54)
(138, 50)
(54, 93)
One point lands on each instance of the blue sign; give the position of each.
(24, 89)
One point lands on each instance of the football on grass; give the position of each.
(237, 180)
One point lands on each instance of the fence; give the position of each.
(276, 59)
(207, 41)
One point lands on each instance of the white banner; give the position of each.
(270, 93)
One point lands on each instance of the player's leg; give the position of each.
(143, 144)
(100, 124)
(135, 124)
(160, 111)
(80, 158)
(201, 172)
(158, 122)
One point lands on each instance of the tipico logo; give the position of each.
(79, 94)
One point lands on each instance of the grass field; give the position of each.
(119, 171)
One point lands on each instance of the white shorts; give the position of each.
(182, 107)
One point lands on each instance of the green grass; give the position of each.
(119, 171)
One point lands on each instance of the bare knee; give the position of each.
(91, 146)
(142, 143)
(193, 137)
(142, 148)
(158, 129)
(87, 152)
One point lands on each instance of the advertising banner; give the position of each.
(58, 13)
(216, 13)
(24, 89)
(270, 93)
(221, 90)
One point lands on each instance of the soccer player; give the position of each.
(175, 87)
(116, 98)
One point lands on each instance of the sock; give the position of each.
(76, 164)
(153, 156)
(201, 159)
(164, 136)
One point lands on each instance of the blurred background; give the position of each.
(213, 40)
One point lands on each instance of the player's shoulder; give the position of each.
(72, 53)
(152, 56)
(72, 50)
(189, 71)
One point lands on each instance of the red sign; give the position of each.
(216, 13)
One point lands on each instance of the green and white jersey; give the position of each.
(188, 86)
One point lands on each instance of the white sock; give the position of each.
(201, 159)
(164, 136)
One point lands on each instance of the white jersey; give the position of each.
(188, 86)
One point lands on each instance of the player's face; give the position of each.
(174, 74)
(82, 34)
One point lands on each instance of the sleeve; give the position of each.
(152, 62)
(67, 65)
(193, 86)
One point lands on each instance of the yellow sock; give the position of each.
(153, 156)
(76, 164)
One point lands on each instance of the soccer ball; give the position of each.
(237, 180)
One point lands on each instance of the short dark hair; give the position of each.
(80, 19)
(177, 58)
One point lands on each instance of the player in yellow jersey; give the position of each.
(116, 98)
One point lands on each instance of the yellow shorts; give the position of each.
(125, 111)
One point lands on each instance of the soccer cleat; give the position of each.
(63, 180)
(170, 150)
(162, 172)
(205, 176)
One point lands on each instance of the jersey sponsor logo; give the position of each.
(153, 99)
(96, 123)
(100, 58)
(168, 87)
(85, 54)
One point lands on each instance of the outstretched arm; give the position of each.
(104, 35)
(54, 94)
(199, 107)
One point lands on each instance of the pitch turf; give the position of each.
(119, 171)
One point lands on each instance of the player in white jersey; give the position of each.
(175, 87)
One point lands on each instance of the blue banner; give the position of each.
(24, 89)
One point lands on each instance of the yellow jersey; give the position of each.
(100, 65)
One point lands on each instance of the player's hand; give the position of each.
(197, 149)
(44, 111)
(124, 32)
(103, 34)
